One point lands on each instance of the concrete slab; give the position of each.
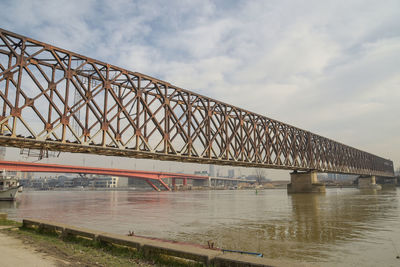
(240, 260)
(44, 224)
(129, 241)
(29, 223)
(83, 232)
(203, 255)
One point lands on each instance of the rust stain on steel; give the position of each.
(54, 98)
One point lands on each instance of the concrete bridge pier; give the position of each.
(305, 182)
(368, 182)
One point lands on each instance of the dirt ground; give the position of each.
(17, 252)
(24, 249)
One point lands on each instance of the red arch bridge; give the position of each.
(55, 99)
(148, 176)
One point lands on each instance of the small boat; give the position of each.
(9, 188)
(9, 194)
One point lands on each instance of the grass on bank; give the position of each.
(6, 222)
(84, 252)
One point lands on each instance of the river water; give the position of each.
(345, 227)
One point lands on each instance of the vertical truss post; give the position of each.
(7, 84)
(189, 124)
(16, 112)
(310, 151)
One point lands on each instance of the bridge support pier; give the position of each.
(368, 182)
(152, 185)
(305, 182)
(173, 183)
(164, 184)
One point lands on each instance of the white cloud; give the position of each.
(327, 67)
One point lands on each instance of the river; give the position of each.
(345, 227)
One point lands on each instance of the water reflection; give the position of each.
(319, 218)
(315, 228)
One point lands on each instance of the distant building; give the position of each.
(68, 183)
(137, 183)
(397, 172)
(211, 170)
(332, 176)
(201, 173)
(109, 182)
(26, 175)
(322, 176)
(15, 174)
(337, 177)
(2, 152)
(62, 179)
(80, 182)
(231, 173)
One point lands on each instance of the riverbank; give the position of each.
(55, 244)
(24, 247)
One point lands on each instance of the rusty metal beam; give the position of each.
(150, 182)
(164, 185)
(59, 100)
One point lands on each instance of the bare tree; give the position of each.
(260, 175)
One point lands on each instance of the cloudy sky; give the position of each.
(331, 67)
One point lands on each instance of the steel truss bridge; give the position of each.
(54, 99)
